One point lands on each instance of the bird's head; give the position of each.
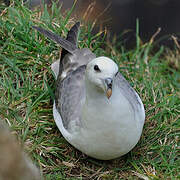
(100, 72)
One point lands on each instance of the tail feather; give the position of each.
(72, 37)
(73, 34)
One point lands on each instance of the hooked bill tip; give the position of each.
(109, 93)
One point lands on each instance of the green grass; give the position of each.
(26, 96)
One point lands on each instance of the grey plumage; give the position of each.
(70, 86)
(64, 43)
(128, 92)
(70, 81)
(72, 37)
(70, 96)
(72, 57)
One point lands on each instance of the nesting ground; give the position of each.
(27, 92)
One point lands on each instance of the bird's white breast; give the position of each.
(110, 128)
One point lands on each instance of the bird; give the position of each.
(95, 108)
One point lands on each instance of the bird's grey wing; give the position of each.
(72, 37)
(128, 92)
(71, 61)
(72, 57)
(71, 96)
(70, 85)
(70, 47)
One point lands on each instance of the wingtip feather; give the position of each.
(70, 47)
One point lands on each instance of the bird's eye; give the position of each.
(116, 74)
(96, 68)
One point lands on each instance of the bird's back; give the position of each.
(70, 72)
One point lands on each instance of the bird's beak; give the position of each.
(108, 82)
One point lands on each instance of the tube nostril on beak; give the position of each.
(109, 82)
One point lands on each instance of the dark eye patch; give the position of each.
(96, 68)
